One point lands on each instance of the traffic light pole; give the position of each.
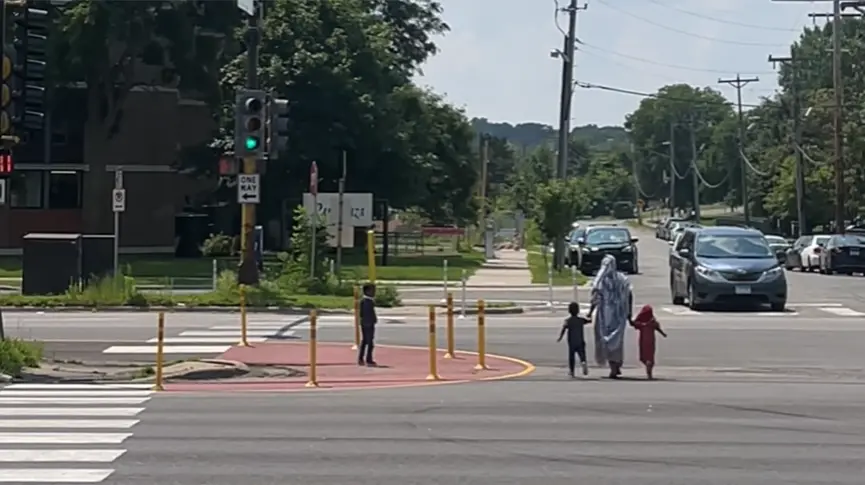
(248, 271)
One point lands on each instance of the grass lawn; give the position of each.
(538, 267)
(421, 267)
(179, 272)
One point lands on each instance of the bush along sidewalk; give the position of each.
(17, 354)
(289, 284)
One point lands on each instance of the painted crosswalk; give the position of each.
(66, 433)
(214, 340)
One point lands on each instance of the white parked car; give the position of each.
(810, 255)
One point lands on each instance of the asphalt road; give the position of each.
(745, 398)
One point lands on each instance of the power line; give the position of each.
(660, 64)
(721, 21)
(602, 87)
(685, 32)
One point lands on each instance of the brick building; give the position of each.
(64, 184)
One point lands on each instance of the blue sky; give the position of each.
(495, 62)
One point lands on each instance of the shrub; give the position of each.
(219, 245)
(386, 296)
(16, 354)
(108, 291)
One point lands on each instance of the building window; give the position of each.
(64, 190)
(25, 190)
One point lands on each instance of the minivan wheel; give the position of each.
(778, 307)
(692, 297)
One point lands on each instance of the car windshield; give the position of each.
(850, 240)
(576, 235)
(608, 236)
(736, 247)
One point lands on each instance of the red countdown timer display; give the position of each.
(6, 163)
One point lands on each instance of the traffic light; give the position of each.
(249, 123)
(7, 115)
(30, 40)
(277, 126)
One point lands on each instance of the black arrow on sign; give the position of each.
(247, 196)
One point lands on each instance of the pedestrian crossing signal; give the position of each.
(6, 163)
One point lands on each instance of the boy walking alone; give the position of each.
(573, 327)
(368, 320)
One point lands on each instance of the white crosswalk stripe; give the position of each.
(67, 433)
(214, 340)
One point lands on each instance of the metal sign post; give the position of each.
(313, 189)
(118, 205)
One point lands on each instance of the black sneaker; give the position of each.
(371, 363)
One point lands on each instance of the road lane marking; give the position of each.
(228, 333)
(64, 438)
(145, 387)
(57, 475)
(72, 400)
(206, 340)
(843, 312)
(59, 456)
(68, 423)
(168, 349)
(75, 393)
(100, 411)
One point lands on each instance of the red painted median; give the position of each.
(337, 368)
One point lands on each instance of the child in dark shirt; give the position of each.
(573, 327)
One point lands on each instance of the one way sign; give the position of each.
(248, 189)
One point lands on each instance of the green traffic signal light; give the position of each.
(252, 143)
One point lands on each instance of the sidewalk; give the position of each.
(509, 269)
(399, 366)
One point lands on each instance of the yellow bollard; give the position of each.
(482, 337)
(356, 318)
(313, 350)
(243, 323)
(433, 362)
(450, 327)
(370, 254)
(159, 385)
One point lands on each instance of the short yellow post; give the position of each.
(356, 318)
(313, 350)
(159, 385)
(482, 337)
(370, 254)
(450, 327)
(243, 323)
(433, 361)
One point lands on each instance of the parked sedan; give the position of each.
(793, 255)
(810, 255)
(843, 254)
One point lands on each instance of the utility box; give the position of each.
(97, 257)
(52, 263)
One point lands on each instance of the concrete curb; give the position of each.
(205, 370)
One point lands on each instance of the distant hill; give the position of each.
(530, 135)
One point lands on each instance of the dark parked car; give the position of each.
(599, 241)
(573, 254)
(726, 265)
(843, 254)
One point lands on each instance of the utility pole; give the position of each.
(672, 157)
(793, 61)
(837, 16)
(567, 55)
(839, 104)
(739, 82)
(694, 179)
(637, 206)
